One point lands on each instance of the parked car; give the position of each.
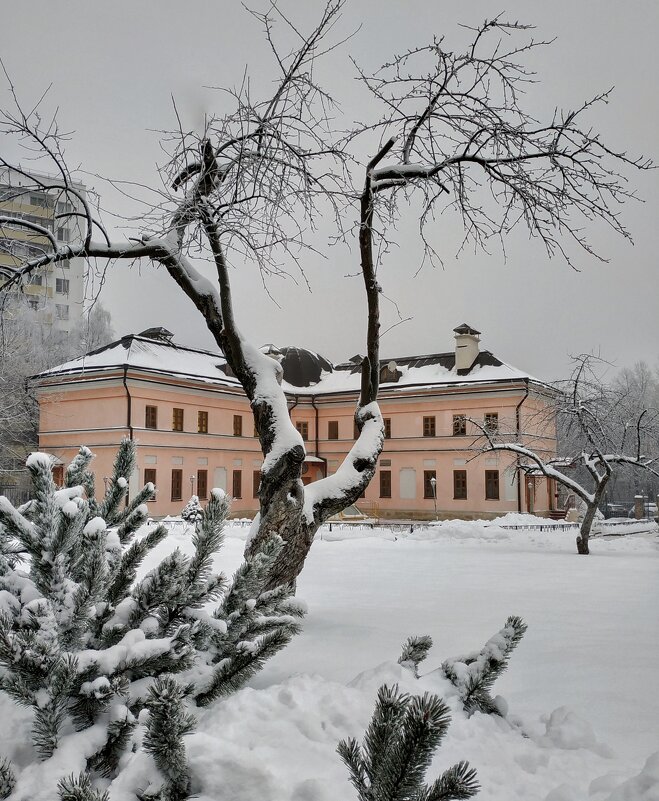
(616, 510)
(350, 513)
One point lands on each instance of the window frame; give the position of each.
(150, 474)
(151, 416)
(459, 425)
(202, 486)
(460, 487)
(302, 427)
(491, 422)
(332, 429)
(177, 475)
(492, 479)
(202, 422)
(387, 427)
(237, 425)
(385, 483)
(178, 419)
(430, 426)
(237, 483)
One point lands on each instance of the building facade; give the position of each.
(194, 429)
(56, 291)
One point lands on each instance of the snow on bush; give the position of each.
(110, 666)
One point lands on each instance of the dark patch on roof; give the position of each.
(447, 360)
(158, 333)
(302, 368)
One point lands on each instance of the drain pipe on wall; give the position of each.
(518, 425)
(313, 403)
(129, 405)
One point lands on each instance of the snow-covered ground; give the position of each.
(582, 687)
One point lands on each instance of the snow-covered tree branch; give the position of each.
(597, 441)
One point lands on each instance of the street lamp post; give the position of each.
(433, 484)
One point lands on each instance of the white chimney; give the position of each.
(466, 347)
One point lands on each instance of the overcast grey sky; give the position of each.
(114, 66)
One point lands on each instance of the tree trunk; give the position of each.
(584, 531)
(589, 517)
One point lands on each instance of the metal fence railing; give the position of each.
(15, 495)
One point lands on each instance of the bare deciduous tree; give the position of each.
(596, 440)
(452, 125)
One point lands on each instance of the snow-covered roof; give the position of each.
(305, 372)
(149, 355)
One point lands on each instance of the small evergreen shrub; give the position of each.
(474, 674)
(415, 650)
(83, 643)
(192, 512)
(397, 750)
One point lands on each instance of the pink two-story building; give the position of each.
(194, 430)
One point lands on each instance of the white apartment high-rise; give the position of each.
(56, 290)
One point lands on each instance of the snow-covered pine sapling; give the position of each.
(110, 508)
(82, 641)
(167, 723)
(79, 788)
(250, 625)
(7, 778)
(415, 650)
(475, 673)
(192, 511)
(398, 748)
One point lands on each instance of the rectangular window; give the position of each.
(492, 422)
(64, 208)
(36, 279)
(63, 234)
(429, 483)
(256, 483)
(64, 264)
(62, 286)
(237, 484)
(42, 201)
(428, 426)
(303, 428)
(332, 429)
(61, 312)
(151, 417)
(459, 425)
(385, 483)
(491, 485)
(177, 420)
(150, 476)
(202, 484)
(387, 427)
(237, 431)
(202, 422)
(177, 485)
(460, 485)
